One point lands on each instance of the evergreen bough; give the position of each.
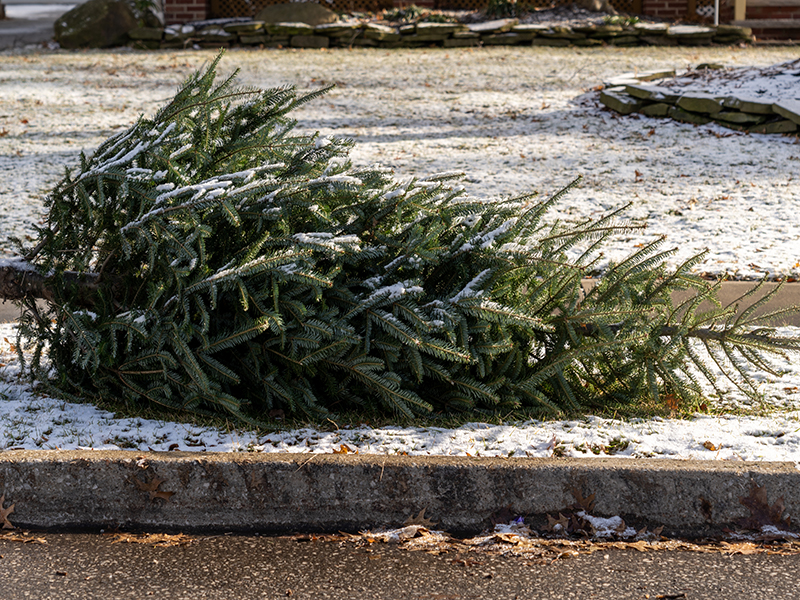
(210, 260)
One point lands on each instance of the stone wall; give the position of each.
(739, 113)
(450, 35)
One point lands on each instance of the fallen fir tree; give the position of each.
(211, 260)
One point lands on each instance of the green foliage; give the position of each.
(235, 267)
(499, 9)
(624, 20)
(415, 14)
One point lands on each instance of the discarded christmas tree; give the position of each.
(210, 260)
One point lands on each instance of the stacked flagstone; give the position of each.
(504, 32)
(635, 94)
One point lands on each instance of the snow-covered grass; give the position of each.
(514, 119)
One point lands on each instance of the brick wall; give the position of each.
(182, 11)
(666, 9)
(773, 12)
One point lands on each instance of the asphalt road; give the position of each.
(89, 566)
(30, 23)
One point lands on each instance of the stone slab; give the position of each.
(700, 103)
(785, 126)
(742, 118)
(616, 99)
(684, 116)
(657, 109)
(309, 41)
(748, 105)
(652, 92)
(496, 26)
(789, 109)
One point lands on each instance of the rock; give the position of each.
(146, 33)
(213, 35)
(657, 74)
(700, 103)
(587, 42)
(438, 28)
(616, 99)
(651, 28)
(690, 31)
(532, 29)
(555, 42)
(290, 29)
(734, 30)
(658, 40)
(562, 32)
(624, 40)
(249, 28)
(658, 109)
(425, 38)
(504, 39)
(376, 31)
(498, 26)
(310, 41)
(310, 13)
(466, 35)
(338, 30)
(461, 42)
(785, 126)
(789, 109)
(605, 31)
(684, 116)
(748, 105)
(254, 40)
(95, 24)
(652, 92)
(742, 118)
(731, 125)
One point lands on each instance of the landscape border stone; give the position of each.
(331, 492)
(630, 93)
(388, 35)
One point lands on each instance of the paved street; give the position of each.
(242, 567)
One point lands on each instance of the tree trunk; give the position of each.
(20, 281)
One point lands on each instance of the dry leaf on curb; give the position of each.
(345, 449)
(559, 524)
(761, 513)
(420, 520)
(4, 512)
(24, 537)
(151, 488)
(582, 503)
(162, 540)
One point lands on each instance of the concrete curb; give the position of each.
(324, 493)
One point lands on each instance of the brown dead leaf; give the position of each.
(562, 522)
(745, 548)
(420, 520)
(582, 503)
(151, 488)
(345, 449)
(672, 401)
(761, 513)
(162, 540)
(24, 537)
(4, 512)
(709, 446)
(11, 346)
